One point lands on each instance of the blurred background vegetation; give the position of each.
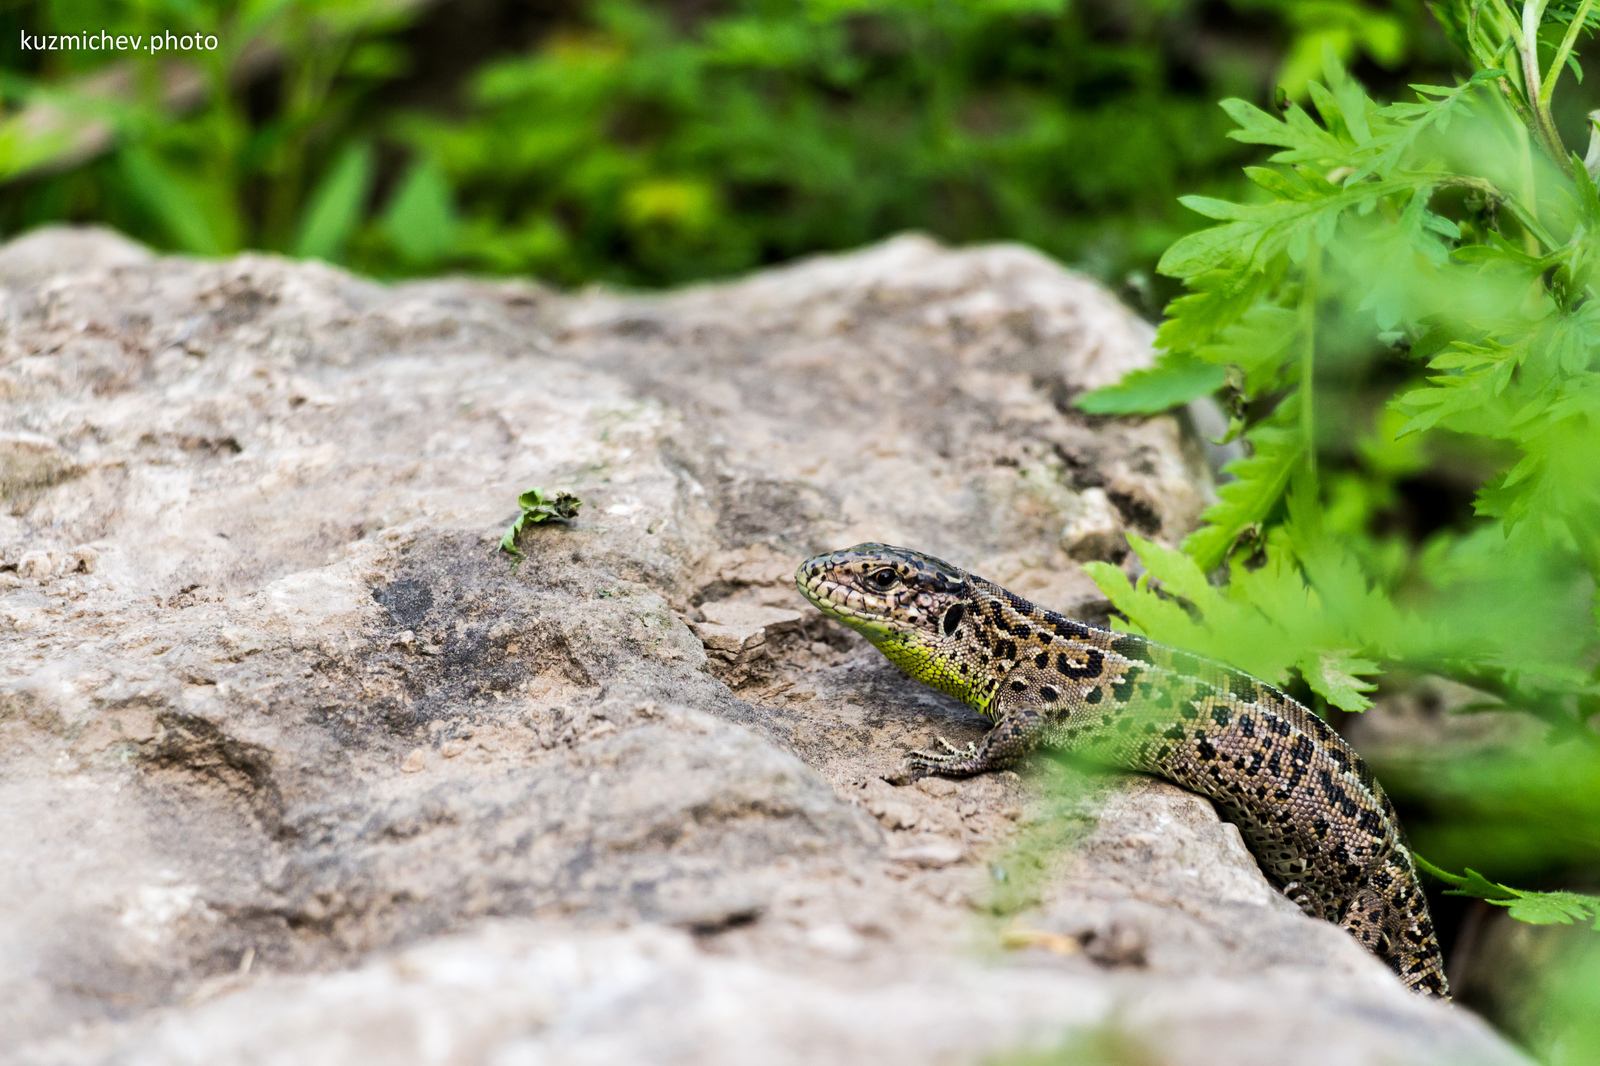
(652, 142)
(649, 142)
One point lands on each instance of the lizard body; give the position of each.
(1308, 807)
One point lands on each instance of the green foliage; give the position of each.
(535, 507)
(1267, 622)
(1174, 379)
(335, 208)
(421, 220)
(636, 150)
(1535, 908)
(1071, 791)
(185, 162)
(1406, 302)
(1393, 243)
(651, 141)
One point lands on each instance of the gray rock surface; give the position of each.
(297, 768)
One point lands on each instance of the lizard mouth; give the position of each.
(829, 596)
(836, 599)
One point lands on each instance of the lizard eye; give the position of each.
(883, 580)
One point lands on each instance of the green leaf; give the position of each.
(1257, 232)
(1394, 140)
(1297, 133)
(336, 207)
(1173, 380)
(1535, 908)
(1473, 884)
(421, 219)
(536, 507)
(1277, 449)
(1228, 630)
(1554, 908)
(1261, 344)
(1214, 302)
(1332, 675)
(195, 216)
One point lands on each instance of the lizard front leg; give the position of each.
(1028, 702)
(1013, 736)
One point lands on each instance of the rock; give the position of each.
(930, 851)
(37, 565)
(736, 628)
(30, 461)
(306, 765)
(1093, 530)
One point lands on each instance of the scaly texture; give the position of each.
(1307, 805)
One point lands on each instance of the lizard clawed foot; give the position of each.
(946, 761)
(950, 750)
(1301, 897)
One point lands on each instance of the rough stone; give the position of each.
(298, 768)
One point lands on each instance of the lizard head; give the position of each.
(908, 604)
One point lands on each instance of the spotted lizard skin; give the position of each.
(1306, 804)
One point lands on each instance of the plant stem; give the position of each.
(1500, 21)
(1549, 89)
(1528, 51)
(1529, 221)
(1308, 351)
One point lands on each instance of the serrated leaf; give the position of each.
(1260, 344)
(1257, 232)
(1479, 886)
(1173, 380)
(1277, 450)
(1217, 300)
(1297, 133)
(1535, 908)
(1332, 675)
(1554, 908)
(1387, 149)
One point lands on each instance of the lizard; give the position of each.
(1308, 807)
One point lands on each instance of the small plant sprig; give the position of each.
(1535, 908)
(536, 507)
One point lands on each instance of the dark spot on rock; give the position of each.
(408, 601)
